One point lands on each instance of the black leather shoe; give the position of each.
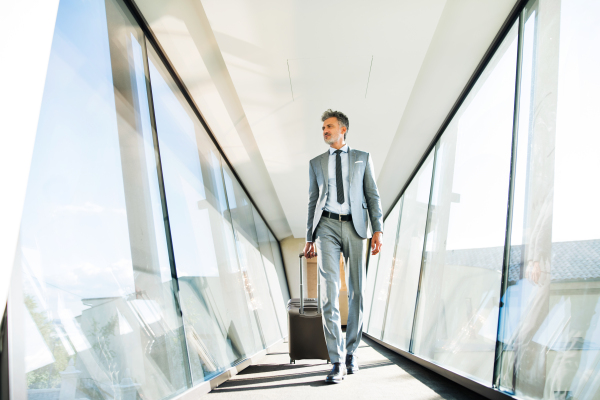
(351, 364)
(337, 373)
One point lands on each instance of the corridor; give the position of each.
(383, 375)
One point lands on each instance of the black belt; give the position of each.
(338, 217)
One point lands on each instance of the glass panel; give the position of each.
(457, 313)
(250, 259)
(101, 317)
(382, 280)
(272, 279)
(371, 275)
(279, 267)
(220, 329)
(409, 252)
(550, 331)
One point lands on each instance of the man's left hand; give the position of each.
(376, 243)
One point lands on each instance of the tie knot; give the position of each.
(338, 152)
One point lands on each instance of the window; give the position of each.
(253, 270)
(407, 266)
(127, 218)
(100, 316)
(219, 327)
(382, 277)
(550, 334)
(457, 311)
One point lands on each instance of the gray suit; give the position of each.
(333, 237)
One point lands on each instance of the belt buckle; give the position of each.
(340, 217)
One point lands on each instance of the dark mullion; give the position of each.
(238, 257)
(511, 191)
(165, 210)
(262, 261)
(151, 37)
(487, 57)
(282, 264)
(427, 225)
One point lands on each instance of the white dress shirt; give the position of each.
(332, 204)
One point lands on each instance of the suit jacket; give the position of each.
(364, 194)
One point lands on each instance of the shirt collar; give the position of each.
(344, 149)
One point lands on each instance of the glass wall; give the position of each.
(384, 268)
(219, 327)
(509, 293)
(457, 313)
(271, 270)
(551, 334)
(100, 300)
(138, 281)
(371, 276)
(409, 251)
(251, 260)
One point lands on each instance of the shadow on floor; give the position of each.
(439, 384)
(383, 374)
(259, 369)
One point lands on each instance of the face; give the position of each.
(332, 131)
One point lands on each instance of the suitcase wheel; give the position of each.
(292, 361)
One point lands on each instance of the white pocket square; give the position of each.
(357, 162)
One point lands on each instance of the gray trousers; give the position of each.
(332, 238)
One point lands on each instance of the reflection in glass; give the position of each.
(382, 278)
(407, 265)
(220, 329)
(371, 276)
(279, 267)
(101, 317)
(253, 270)
(264, 243)
(457, 312)
(550, 331)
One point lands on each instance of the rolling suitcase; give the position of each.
(305, 326)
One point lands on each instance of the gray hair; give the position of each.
(340, 116)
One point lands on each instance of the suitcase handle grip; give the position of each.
(302, 288)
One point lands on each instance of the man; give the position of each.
(342, 189)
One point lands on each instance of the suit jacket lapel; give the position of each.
(351, 161)
(325, 169)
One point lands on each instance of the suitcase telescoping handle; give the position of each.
(302, 288)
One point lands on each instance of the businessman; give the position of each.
(342, 195)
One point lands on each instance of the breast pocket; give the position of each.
(359, 170)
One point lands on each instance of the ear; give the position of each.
(344, 130)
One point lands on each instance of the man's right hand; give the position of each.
(309, 250)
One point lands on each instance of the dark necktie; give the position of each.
(338, 177)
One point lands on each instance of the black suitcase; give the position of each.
(305, 326)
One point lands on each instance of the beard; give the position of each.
(332, 139)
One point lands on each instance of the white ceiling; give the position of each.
(263, 71)
(330, 51)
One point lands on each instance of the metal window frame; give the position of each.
(153, 40)
(487, 57)
(151, 37)
(165, 210)
(509, 208)
(517, 15)
(422, 267)
(368, 325)
(391, 277)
